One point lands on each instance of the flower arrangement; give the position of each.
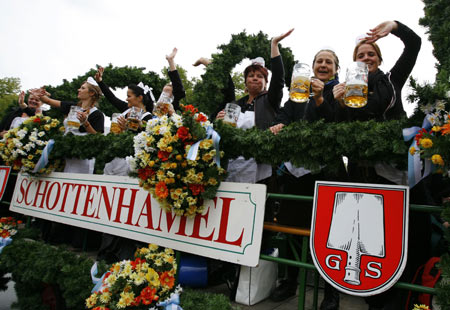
(138, 284)
(179, 180)
(23, 146)
(420, 307)
(8, 226)
(434, 144)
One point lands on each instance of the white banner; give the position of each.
(230, 229)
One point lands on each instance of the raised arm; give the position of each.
(274, 50)
(44, 96)
(109, 95)
(177, 85)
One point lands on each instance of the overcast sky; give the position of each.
(46, 41)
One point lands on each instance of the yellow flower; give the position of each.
(437, 160)
(153, 247)
(206, 144)
(30, 157)
(212, 181)
(152, 277)
(169, 149)
(90, 302)
(105, 297)
(47, 127)
(412, 150)
(426, 143)
(436, 128)
(179, 157)
(421, 307)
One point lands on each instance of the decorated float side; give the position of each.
(180, 162)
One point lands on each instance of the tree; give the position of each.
(9, 89)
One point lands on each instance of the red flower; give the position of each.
(201, 118)
(183, 133)
(144, 174)
(167, 280)
(148, 295)
(5, 233)
(161, 190)
(196, 189)
(190, 108)
(163, 155)
(37, 120)
(420, 134)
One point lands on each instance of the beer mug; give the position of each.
(164, 105)
(300, 83)
(72, 119)
(115, 128)
(232, 111)
(355, 95)
(134, 118)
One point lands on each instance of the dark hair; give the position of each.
(146, 99)
(255, 67)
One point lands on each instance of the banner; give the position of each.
(230, 229)
(4, 176)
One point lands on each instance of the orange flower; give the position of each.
(190, 108)
(5, 233)
(167, 280)
(148, 295)
(161, 190)
(445, 130)
(201, 118)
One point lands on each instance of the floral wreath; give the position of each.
(177, 160)
(143, 283)
(27, 147)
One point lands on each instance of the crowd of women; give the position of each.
(262, 107)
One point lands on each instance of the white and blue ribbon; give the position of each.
(96, 281)
(414, 163)
(210, 134)
(4, 242)
(173, 303)
(43, 160)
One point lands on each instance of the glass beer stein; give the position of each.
(300, 83)
(134, 118)
(115, 128)
(72, 119)
(164, 105)
(232, 112)
(355, 95)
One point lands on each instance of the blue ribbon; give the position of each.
(173, 303)
(96, 281)
(210, 134)
(4, 242)
(43, 160)
(414, 163)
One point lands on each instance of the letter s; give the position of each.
(336, 262)
(377, 271)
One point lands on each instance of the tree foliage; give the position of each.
(9, 90)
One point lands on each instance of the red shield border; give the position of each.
(4, 180)
(377, 274)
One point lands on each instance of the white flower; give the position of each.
(177, 120)
(163, 130)
(205, 124)
(131, 161)
(41, 134)
(152, 123)
(33, 138)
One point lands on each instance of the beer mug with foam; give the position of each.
(232, 111)
(355, 95)
(115, 128)
(134, 118)
(300, 83)
(72, 119)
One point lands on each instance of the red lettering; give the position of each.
(196, 229)
(108, 204)
(120, 205)
(22, 191)
(170, 218)
(88, 201)
(26, 193)
(77, 197)
(47, 200)
(63, 203)
(222, 238)
(148, 207)
(40, 194)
